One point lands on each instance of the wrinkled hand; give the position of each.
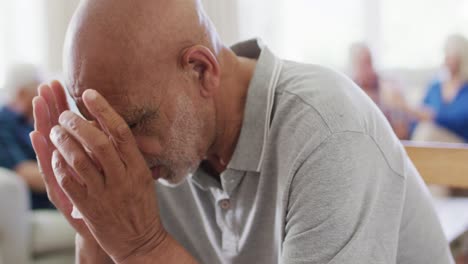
(50, 103)
(105, 176)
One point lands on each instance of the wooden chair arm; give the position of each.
(440, 163)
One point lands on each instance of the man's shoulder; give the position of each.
(313, 103)
(329, 95)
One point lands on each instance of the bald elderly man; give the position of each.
(258, 160)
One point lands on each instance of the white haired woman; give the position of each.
(16, 122)
(444, 115)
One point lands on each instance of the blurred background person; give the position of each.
(16, 122)
(444, 113)
(363, 72)
(380, 90)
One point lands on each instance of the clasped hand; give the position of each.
(97, 167)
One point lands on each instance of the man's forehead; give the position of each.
(128, 98)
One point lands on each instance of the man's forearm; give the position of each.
(90, 252)
(168, 252)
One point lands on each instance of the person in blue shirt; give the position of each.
(450, 113)
(16, 119)
(446, 101)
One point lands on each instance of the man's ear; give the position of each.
(200, 61)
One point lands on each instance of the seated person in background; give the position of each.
(16, 122)
(363, 73)
(444, 114)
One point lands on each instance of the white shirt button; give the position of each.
(225, 204)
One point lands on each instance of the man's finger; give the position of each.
(67, 180)
(77, 158)
(45, 92)
(43, 148)
(101, 149)
(60, 96)
(113, 124)
(42, 151)
(42, 121)
(55, 193)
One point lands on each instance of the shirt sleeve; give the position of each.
(11, 154)
(454, 121)
(428, 101)
(431, 94)
(344, 205)
(453, 118)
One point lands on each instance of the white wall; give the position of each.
(58, 15)
(21, 33)
(33, 31)
(224, 14)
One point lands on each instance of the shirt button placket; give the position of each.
(225, 204)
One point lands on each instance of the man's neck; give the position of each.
(236, 78)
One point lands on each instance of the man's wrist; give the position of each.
(88, 251)
(152, 247)
(169, 251)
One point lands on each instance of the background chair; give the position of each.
(37, 237)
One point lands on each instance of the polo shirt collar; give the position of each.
(250, 149)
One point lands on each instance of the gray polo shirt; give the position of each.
(317, 176)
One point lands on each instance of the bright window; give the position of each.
(402, 33)
(22, 34)
(2, 43)
(414, 32)
(315, 31)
